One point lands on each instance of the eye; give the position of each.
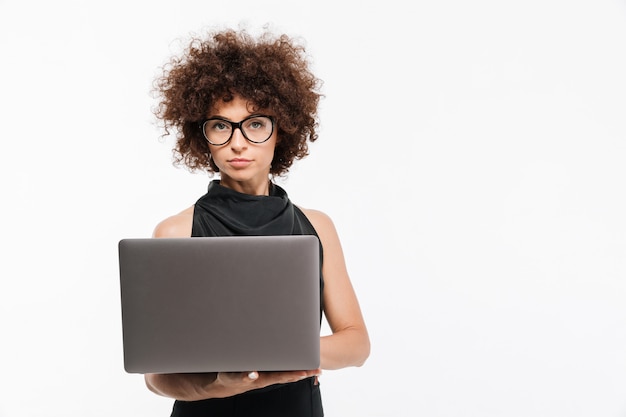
(257, 123)
(218, 126)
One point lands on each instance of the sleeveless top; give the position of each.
(226, 212)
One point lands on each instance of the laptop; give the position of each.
(220, 304)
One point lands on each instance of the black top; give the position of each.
(225, 212)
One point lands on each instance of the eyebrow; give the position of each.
(247, 117)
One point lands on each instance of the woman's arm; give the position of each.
(187, 387)
(201, 386)
(349, 344)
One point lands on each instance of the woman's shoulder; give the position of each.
(320, 220)
(178, 225)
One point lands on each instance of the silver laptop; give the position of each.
(212, 304)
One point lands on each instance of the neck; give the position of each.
(261, 187)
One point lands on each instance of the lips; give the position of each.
(239, 162)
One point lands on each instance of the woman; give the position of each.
(245, 107)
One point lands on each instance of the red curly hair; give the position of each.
(271, 72)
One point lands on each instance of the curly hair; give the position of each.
(268, 71)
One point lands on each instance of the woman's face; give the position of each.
(244, 166)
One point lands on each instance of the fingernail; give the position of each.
(253, 375)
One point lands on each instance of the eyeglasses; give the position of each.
(255, 128)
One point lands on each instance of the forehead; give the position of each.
(236, 107)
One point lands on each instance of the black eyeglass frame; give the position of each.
(237, 125)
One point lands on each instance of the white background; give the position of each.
(471, 153)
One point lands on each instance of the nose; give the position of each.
(238, 141)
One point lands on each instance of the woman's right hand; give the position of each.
(245, 381)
